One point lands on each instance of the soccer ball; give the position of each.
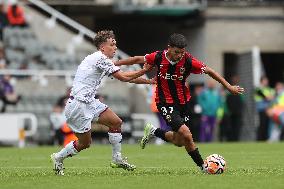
(215, 164)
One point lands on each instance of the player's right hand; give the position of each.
(236, 90)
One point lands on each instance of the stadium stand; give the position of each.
(23, 47)
(43, 67)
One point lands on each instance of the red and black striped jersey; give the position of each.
(171, 77)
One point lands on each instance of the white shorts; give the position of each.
(79, 115)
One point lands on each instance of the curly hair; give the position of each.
(102, 37)
(177, 40)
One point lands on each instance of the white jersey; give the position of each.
(90, 74)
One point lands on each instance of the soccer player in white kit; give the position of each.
(82, 108)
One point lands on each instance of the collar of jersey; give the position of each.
(171, 62)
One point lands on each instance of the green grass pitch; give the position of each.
(249, 165)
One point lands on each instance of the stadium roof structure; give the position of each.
(164, 9)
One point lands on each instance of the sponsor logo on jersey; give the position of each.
(169, 118)
(171, 77)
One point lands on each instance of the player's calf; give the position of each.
(178, 140)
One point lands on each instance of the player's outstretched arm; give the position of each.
(130, 61)
(141, 80)
(130, 75)
(233, 89)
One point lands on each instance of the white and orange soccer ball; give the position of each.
(215, 164)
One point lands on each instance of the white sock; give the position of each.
(115, 140)
(68, 151)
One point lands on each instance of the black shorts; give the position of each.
(175, 115)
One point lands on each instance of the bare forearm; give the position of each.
(212, 73)
(234, 89)
(131, 75)
(140, 80)
(130, 61)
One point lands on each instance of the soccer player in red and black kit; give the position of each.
(174, 65)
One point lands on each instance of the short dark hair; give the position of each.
(177, 40)
(102, 37)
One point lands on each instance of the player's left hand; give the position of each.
(236, 89)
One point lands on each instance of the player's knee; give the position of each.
(117, 123)
(185, 133)
(86, 144)
(189, 136)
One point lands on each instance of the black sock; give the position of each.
(195, 155)
(160, 134)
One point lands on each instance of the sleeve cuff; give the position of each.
(114, 72)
